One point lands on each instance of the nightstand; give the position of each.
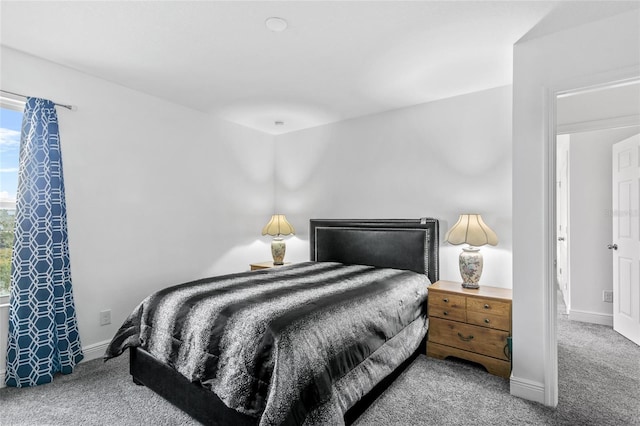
(472, 324)
(265, 265)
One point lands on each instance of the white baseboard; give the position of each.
(591, 317)
(527, 389)
(95, 350)
(91, 352)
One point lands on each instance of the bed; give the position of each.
(310, 343)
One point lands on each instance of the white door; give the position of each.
(562, 216)
(626, 238)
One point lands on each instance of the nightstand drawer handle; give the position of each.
(445, 313)
(487, 306)
(445, 300)
(466, 339)
(486, 321)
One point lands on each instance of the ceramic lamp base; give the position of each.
(470, 267)
(278, 247)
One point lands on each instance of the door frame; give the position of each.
(551, 93)
(566, 292)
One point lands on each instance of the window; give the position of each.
(10, 125)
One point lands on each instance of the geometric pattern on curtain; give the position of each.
(43, 330)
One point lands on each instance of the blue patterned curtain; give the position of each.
(43, 331)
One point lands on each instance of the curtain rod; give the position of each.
(69, 107)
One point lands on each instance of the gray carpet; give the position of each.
(599, 384)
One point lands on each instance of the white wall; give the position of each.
(438, 159)
(157, 194)
(588, 54)
(591, 262)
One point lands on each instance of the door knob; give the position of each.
(612, 247)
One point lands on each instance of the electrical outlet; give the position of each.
(607, 296)
(105, 317)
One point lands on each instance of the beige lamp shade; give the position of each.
(471, 229)
(278, 225)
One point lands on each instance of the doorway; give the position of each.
(588, 122)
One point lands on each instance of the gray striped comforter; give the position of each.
(294, 345)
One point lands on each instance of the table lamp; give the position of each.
(471, 229)
(277, 226)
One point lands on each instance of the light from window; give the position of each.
(10, 125)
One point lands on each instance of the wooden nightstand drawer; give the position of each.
(483, 319)
(452, 313)
(471, 338)
(492, 306)
(448, 301)
(447, 306)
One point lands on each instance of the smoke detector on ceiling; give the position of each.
(276, 24)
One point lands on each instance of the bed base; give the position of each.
(205, 406)
(195, 400)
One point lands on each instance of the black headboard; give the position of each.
(410, 244)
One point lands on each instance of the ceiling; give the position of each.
(336, 60)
